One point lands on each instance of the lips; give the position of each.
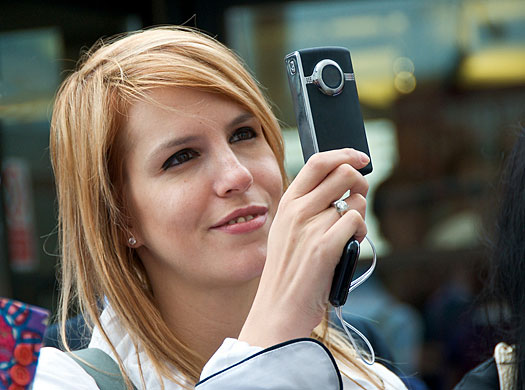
(242, 215)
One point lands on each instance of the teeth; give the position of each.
(241, 219)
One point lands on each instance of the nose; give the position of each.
(231, 175)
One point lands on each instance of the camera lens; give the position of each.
(328, 77)
(331, 76)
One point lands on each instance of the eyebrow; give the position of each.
(241, 119)
(191, 138)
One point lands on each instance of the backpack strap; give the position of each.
(105, 370)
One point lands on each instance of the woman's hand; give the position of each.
(305, 243)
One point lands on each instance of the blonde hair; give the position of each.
(87, 118)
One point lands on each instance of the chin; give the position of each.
(243, 271)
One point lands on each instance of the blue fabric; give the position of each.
(77, 333)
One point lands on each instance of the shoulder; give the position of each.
(484, 376)
(295, 364)
(57, 370)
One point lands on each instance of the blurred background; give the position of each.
(442, 90)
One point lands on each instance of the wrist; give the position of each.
(267, 328)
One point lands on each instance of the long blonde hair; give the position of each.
(88, 115)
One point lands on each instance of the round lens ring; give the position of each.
(328, 77)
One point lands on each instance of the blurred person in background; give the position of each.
(504, 293)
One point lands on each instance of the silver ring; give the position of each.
(340, 206)
(317, 78)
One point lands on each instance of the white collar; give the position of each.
(127, 352)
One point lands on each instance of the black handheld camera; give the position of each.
(328, 114)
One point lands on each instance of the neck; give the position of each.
(203, 317)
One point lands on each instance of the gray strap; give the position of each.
(106, 373)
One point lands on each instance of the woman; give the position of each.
(170, 178)
(504, 293)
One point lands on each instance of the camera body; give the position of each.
(329, 117)
(325, 101)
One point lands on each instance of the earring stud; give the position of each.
(132, 241)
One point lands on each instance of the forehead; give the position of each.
(167, 111)
(180, 103)
(166, 101)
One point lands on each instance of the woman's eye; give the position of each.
(242, 134)
(180, 157)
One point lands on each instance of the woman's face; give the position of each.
(202, 186)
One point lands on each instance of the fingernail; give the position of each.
(364, 158)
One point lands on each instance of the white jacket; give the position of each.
(297, 364)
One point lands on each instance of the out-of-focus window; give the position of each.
(29, 75)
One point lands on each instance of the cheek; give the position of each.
(272, 180)
(162, 210)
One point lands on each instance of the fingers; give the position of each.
(305, 243)
(357, 202)
(320, 165)
(327, 176)
(350, 224)
(339, 228)
(340, 180)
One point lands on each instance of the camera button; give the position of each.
(291, 67)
